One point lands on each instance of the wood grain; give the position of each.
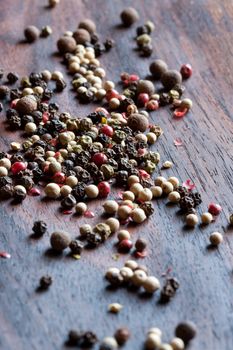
(199, 32)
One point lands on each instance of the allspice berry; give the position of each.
(66, 44)
(31, 33)
(171, 78)
(82, 36)
(186, 331)
(138, 122)
(129, 16)
(145, 87)
(88, 25)
(26, 105)
(158, 68)
(60, 240)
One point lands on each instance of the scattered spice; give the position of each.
(122, 335)
(115, 308)
(129, 16)
(216, 238)
(31, 33)
(59, 240)
(4, 255)
(186, 331)
(45, 282)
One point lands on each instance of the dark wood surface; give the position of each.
(199, 32)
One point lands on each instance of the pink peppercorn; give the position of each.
(104, 189)
(45, 117)
(17, 167)
(111, 94)
(186, 71)
(99, 159)
(107, 130)
(214, 209)
(143, 99)
(152, 105)
(133, 77)
(59, 177)
(125, 245)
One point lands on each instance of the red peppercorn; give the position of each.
(133, 77)
(17, 167)
(99, 159)
(13, 103)
(107, 130)
(214, 209)
(144, 174)
(152, 105)
(143, 99)
(186, 71)
(45, 117)
(104, 189)
(180, 112)
(111, 94)
(59, 177)
(125, 245)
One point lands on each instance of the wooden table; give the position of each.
(199, 32)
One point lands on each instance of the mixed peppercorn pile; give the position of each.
(74, 158)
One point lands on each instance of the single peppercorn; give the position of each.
(60, 240)
(4, 91)
(45, 282)
(158, 68)
(145, 86)
(39, 228)
(31, 33)
(138, 122)
(76, 247)
(66, 44)
(129, 16)
(171, 78)
(140, 244)
(26, 105)
(81, 36)
(88, 25)
(74, 337)
(186, 331)
(122, 335)
(12, 77)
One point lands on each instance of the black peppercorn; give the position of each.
(88, 339)
(1, 73)
(76, 247)
(68, 202)
(6, 191)
(186, 331)
(169, 289)
(39, 228)
(94, 239)
(60, 85)
(147, 207)
(142, 30)
(12, 77)
(79, 191)
(186, 203)
(196, 198)
(4, 91)
(45, 282)
(19, 194)
(109, 43)
(146, 50)
(74, 338)
(1, 107)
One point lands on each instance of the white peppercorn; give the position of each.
(114, 224)
(3, 171)
(126, 273)
(80, 208)
(65, 190)
(123, 234)
(151, 284)
(174, 181)
(191, 220)
(151, 138)
(52, 190)
(6, 163)
(111, 271)
(216, 238)
(110, 207)
(153, 341)
(132, 179)
(131, 264)
(155, 330)
(167, 187)
(160, 180)
(165, 347)
(174, 197)
(108, 343)
(138, 278)
(128, 195)
(71, 181)
(138, 215)
(206, 218)
(92, 191)
(85, 229)
(145, 195)
(177, 344)
(136, 188)
(124, 211)
(156, 191)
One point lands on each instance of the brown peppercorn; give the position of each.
(66, 44)
(60, 240)
(26, 105)
(138, 122)
(158, 68)
(129, 16)
(31, 33)
(82, 36)
(88, 25)
(122, 335)
(186, 331)
(145, 87)
(140, 244)
(171, 78)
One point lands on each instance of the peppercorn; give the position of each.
(167, 187)
(19, 193)
(53, 3)
(214, 209)
(26, 105)
(109, 44)
(31, 33)
(171, 78)
(191, 220)
(151, 284)
(60, 240)
(114, 277)
(206, 218)
(88, 25)
(138, 278)
(122, 335)
(140, 244)
(80, 208)
(165, 346)
(143, 40)
(145, 86)
(108, 343)
(169, 289)
(110, 207)
(4, 91)
(146, 50)
(46, 31)
(216, 238)
(138, 122)
(231, 219)
(68, 202)
(66, 44)
(186, 71)
(103, 230)
(88, 339)
(174, 197)
(186, 331)
(45, 282)
(85, 230)
(12, 77)
(153, 341)
(1, 73)
(158, 68)
(129, 16)
(177, 344)
(52, 190)
(76, 247)
(39, 228)
(81, 36)
(186, 203)
(74, 338)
